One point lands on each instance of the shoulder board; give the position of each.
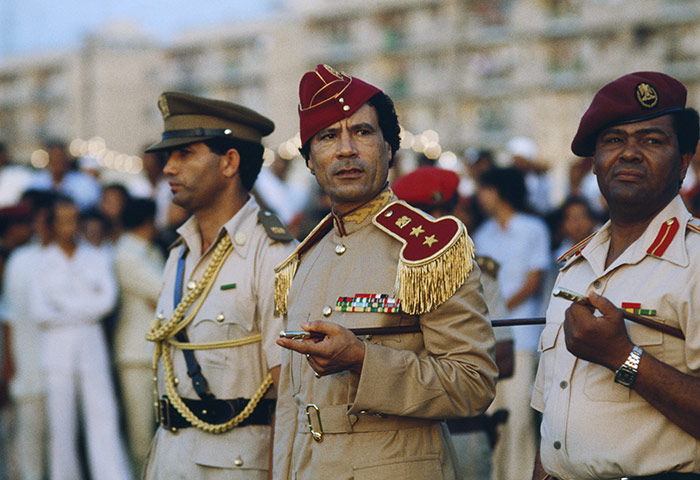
(274, 227)
(435, 259)
(488, 265)
(284, 273)
(694, 224)
(576, 249)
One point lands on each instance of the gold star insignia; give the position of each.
(416, 231)
(429, 240)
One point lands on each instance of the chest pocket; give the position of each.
(548, 339)
(223, 316)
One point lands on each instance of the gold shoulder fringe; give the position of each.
(284, 273)
(424, 286)
(283, 282)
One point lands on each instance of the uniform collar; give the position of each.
(239, 228)
(362, 215)
(664, 238)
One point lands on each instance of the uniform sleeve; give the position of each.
(285, 422)
(454, 377)
(269, 257)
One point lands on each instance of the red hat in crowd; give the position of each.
(632, 98)
(327, 96)
(427, 186)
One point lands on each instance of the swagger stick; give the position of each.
(633, 317)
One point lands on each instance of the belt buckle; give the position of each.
(165, 414)
(316, 435)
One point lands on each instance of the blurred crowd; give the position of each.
(81, 261)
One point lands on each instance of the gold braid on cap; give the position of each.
(162, 337)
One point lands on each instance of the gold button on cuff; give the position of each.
(220, 317)
(191, 285)
(327, 311)
(340, 249)
(238, 462)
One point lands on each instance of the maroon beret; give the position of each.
(19, 212)
(327, 96)
(427, 186)
(632, 98)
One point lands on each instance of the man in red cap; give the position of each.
(371, 406)
(620, 399)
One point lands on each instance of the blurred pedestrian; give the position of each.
(70, 294)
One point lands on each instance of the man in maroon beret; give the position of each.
(371, 406)
(620, 399)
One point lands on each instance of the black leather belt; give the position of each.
(215, 411)
(669, 476)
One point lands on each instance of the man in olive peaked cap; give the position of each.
(214, 332)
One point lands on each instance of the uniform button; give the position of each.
(238, 462)
(340, 249)
(563, 384)
(240, 238)
(557, 445)
(346, 107)
(341, 100)
(191, 285)
(597, 284)
(220, 317)
(327, 311)
(160, 316)
(176, 381)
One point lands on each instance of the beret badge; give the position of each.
(646, 95)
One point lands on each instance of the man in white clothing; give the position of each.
(71, 293)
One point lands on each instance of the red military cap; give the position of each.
(326, 96)
(427, 186)
(632, 98)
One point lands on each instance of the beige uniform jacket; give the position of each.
(240, 305)
(385, 422)
(593, 428)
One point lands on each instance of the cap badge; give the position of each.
(333, 71)
(646, 95)
(163, 106)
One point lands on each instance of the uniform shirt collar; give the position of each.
(362, 215)
(239, 228)
(663, 238)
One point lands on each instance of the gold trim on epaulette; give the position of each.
(425, 284)
(576, 248)
(694, 224)
(284, 272)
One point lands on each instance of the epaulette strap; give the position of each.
(694, 224)
(576, 249)
(284, 273)
(274, 227)
(435, 260)
(488, 265)
(176, 243)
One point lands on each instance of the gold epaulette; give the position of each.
(576, 249)
(435, 259)
(694, 224)
(284, 273)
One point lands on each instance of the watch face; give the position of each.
(625, 376)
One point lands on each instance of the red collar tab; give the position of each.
(663, 239)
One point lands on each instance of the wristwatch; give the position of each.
(627, 373)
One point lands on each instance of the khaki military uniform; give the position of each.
(592, 427)
(385, 422)
(238, 306)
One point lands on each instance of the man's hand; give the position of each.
(603, 340)
(338, 350)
